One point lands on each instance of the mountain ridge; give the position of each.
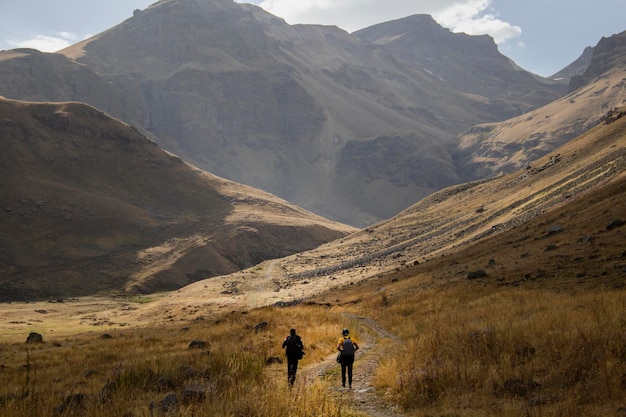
(90, 205)
(495, 148)
(240, 93)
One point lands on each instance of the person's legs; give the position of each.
(292, 367)
(343, 373)
(350, 375)
(349, 361)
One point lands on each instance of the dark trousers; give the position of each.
(292, 368)
(346, 363)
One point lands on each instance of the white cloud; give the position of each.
(473, 17)
(46, 43)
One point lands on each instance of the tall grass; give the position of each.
(132, 373)
(464, 350)
(472, 351)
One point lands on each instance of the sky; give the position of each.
(541, 36)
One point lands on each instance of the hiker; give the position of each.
(293, 350)
(346, 346)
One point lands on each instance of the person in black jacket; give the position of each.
(293, 350)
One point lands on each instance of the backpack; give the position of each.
(294, 347)
(348, 347)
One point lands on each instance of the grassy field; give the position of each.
(460, 349)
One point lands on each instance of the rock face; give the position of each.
(576, 68)
(293, 110)
(471, 64)
(495, 148)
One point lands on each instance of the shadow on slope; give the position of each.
(90, 205)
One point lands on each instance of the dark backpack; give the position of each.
(348, 347)
(294, 346)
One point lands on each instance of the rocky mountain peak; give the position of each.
(609, 54)
(292, 109)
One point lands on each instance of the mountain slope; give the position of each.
(559, 218)
(89, 204)
(294, 110)
(470, 64)
(491, 149)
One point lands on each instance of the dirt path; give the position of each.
(362, 396)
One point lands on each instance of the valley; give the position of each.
(179, 191)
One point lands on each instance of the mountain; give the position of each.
(491, 149)
(576, 68)
(296, 110)
(559, 222)
(90, 205)
(470, 64)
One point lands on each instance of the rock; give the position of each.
(480, 273)
(554, 229)
(34, 338)
(272, 360)
(168, 403)
(195, 393)
(262, 326)
(198, 344)
(615, 223)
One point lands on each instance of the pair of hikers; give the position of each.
(346, 346)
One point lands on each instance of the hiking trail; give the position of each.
(362, 397)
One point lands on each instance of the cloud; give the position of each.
(473, 17)
(46, 43)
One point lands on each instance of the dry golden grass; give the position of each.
(124, 374)
(471, 350)
(542, 334)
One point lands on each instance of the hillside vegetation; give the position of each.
(527, 319)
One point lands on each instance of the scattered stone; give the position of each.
(262, 326)
(167, 404)
(106, 336)
(34, 338)
(491, 263)
(194, 393)
(480, 273)
(554, 229)
(198, 344)
(272, 360)
(615, 223)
